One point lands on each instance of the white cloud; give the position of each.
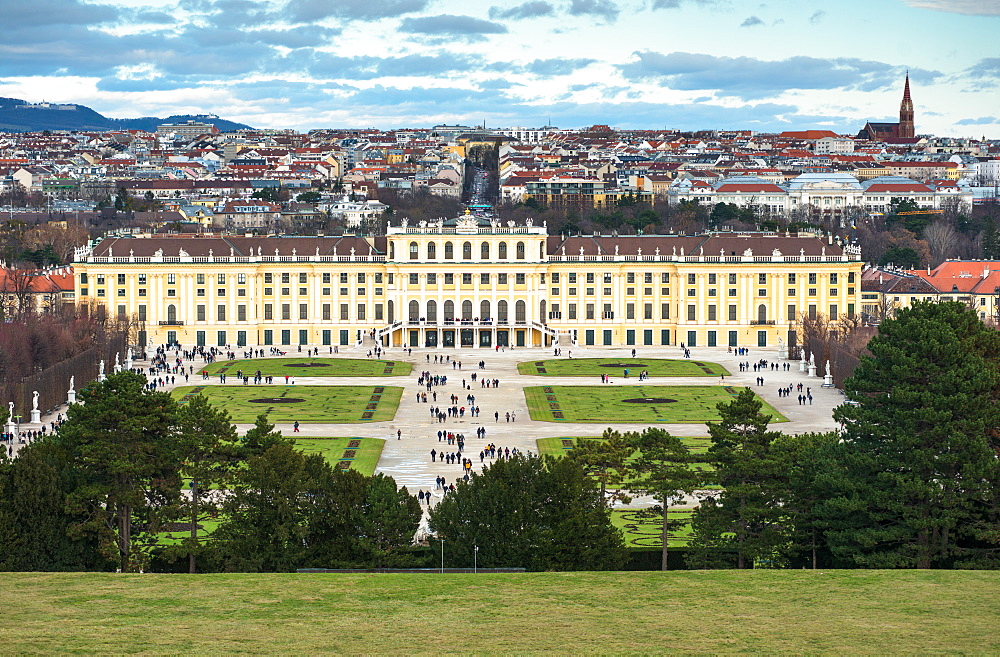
(970, 7)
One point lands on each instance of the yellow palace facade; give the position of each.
(470, 283)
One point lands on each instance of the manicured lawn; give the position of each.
(337, 450)
(616, 367)
(724, 611)
(558, 446)
(318, 404)
(644, 528)
(606, 404)
(322, 366)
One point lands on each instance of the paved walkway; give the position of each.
(408, 459)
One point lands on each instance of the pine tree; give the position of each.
(526, 512)
(262, 436)
(746, 517)
(664, 471)
(607, 460)
(208, 445)
(121, 443)
(920, 450)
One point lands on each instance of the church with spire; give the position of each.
(901, 132)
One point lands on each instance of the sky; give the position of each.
(652, 64)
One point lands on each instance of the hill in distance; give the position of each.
(17, 115)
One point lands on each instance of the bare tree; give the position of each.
(16, 291)
(941, 239)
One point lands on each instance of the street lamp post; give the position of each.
(442, 556)
(475, 558)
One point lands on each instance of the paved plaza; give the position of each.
(407, 458)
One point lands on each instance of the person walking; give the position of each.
(296, 426)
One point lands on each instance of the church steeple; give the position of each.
(906, 130)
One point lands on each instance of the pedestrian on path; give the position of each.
(296, 426)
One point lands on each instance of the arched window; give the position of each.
(466, 309)
(761, 313)
(392, 312)
(502, 311)
(449, 310)
(484, 251)
(541, 250)
(541, 311)
(502, 251)
(432, 251)
(414, 311)
(484, 309)
(392, 250)
(519, 312)
(432, 311)
(520, 250)
(449, 251)
(466, 250)
(414, 251)
(171, 313)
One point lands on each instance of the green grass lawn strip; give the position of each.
(321, 404)
(616, 367)
(605, 404)
(724, 611)
(332, 449)
(322, 366)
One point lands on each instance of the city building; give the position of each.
(470, 282)
(903, 130)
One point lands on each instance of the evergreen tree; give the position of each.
(664, 471)
(607, 461)
(262, 437)
(34, 522)
(208, 446)
(121, 442)
(920, 449)
(812, 470)
(386, 523)
(266, 524)
(990, 240)
(747, 516)
(526, 512)
(288, 510)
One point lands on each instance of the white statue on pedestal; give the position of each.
(36, 415)
(100, 374)
(828, 379)
(34, 401)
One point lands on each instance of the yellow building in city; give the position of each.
(471, 283)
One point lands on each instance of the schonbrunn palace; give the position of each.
(471, 282)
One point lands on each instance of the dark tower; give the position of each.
(906, 112)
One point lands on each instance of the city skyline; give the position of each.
(678, 64)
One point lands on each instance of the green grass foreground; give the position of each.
(616, 367)
(606, 404)
(320, 404)
(640, 612)
(304, 366)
